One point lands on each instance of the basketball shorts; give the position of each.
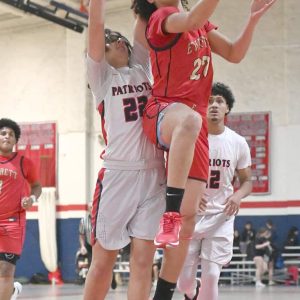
(152, 118)
(127, 203)
(12, 235)
(212, 239)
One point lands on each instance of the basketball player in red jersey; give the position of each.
(15, 172)
(174, 119)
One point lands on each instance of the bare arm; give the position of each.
(234, 201)
(235, 51)
(194, 19)
(139, 30)
(96, 40)
(263, 245)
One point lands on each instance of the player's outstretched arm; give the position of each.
(235, 51)
(194, 19)
(96, 40)
(139, 31)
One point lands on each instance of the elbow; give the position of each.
(233, 55)
(235, 59)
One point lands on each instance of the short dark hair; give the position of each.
(12, 125)
(112, 36)
(221, 89)
(145, 9)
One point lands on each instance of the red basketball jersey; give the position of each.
(15, 171)
(181, 63)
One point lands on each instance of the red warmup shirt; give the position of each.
(181, 63)
(15, 172)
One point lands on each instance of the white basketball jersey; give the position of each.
(227, 152)
(121, 95)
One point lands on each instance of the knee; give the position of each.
(141, 264)
(99, 269)
(191, 125)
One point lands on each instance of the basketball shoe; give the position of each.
(197, 291)
(17, 290)
(169, 228)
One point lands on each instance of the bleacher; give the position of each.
(240, 270)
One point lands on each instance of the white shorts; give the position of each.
(130, 204)
(212, 239)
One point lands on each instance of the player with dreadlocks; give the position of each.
(181, 43)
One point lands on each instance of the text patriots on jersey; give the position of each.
(129, 89)
(219, 163)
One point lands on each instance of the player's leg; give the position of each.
(187, 283)
(7, 271)
(260, 269)
(210, 274)
(141, 260)
(99, 276)
(178, 127)
(174, 257)
(12, 236)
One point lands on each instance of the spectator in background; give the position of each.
(16, 172)
(84, 254)
(273, 238)
(236, 240)
(236, 243)
(292, 240)
(156, 266)
(236, 247)
(247, 240)
(263, 252)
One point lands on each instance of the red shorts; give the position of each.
(12, 235)
(200, 164)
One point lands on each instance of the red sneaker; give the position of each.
(169, 228)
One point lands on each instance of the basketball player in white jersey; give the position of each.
(129, 195)
(212, 242)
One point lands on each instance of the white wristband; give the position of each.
(33, 197)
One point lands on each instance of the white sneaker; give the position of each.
(17, 290)
(259, 284)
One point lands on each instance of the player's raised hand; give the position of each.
(259, 7)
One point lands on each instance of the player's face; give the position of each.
(217, 108)
(7, 140)
(116, 52)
